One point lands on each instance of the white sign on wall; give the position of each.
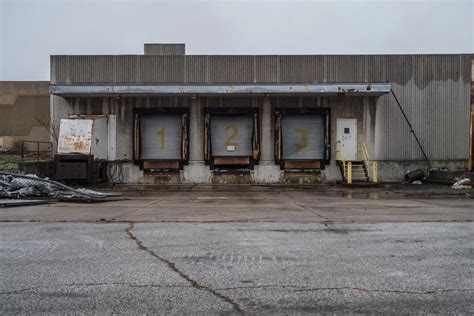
(75, 136)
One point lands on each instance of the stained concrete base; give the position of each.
(332, 173)
(131, 174)
(267, 174)
(196, 173)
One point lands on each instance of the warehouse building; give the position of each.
(177, 118)
(24, 108)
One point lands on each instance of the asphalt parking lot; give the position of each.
(242, 250)
(236, 267)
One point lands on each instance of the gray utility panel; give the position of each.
(303, 137)
(231, 135)
(161, 136)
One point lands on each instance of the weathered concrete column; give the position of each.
(58, 109)
(267, 156)
(196, 171)
(266, 171)
(196, 131)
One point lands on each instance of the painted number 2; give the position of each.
(304, 138)
(161, 134)
(233, 136)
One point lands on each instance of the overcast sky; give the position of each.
(32, 30)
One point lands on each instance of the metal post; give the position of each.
(374, 172)
(22, 150)
(349, 172)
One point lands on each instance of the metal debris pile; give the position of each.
(464, 183)
(14, 185)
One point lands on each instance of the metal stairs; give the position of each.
(356, 171)
(359, 171)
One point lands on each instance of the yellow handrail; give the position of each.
(349, 172)
(363, 154)
(374, 172)
(340, 156)
(340, 151)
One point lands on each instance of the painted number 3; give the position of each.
(161, 134)
(232, 136)
(303, 132)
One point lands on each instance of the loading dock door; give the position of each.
(231, 135)
(160, 136)
(303, 137)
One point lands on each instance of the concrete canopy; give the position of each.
(352, 89)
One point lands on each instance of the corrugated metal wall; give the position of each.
(169, 69)
(435, 94)
(471, 154)
(433, 89)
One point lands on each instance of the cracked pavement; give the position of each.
(130, 268)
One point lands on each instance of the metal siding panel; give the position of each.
(437, 114)
(91, 69)
(346, 68)
(222, 130)
(301, 69)
(196, 69)
(59, 69)
(435, 97)
(394, 141)
(231, 69)
(126, 68)
(100, 144)
(267, 69)
(376, 68)
(75, 71)
(294, 144)
(151, 138)
(399, 68)
(161, 69)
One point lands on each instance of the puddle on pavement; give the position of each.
(360, 195)
(383, 191)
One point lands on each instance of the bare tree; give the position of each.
(52, 130)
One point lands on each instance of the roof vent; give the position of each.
(164, 49)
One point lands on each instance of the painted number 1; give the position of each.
(232, 137)
(304, 138)
(161, 134)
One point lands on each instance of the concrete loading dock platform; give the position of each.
(243, 203)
